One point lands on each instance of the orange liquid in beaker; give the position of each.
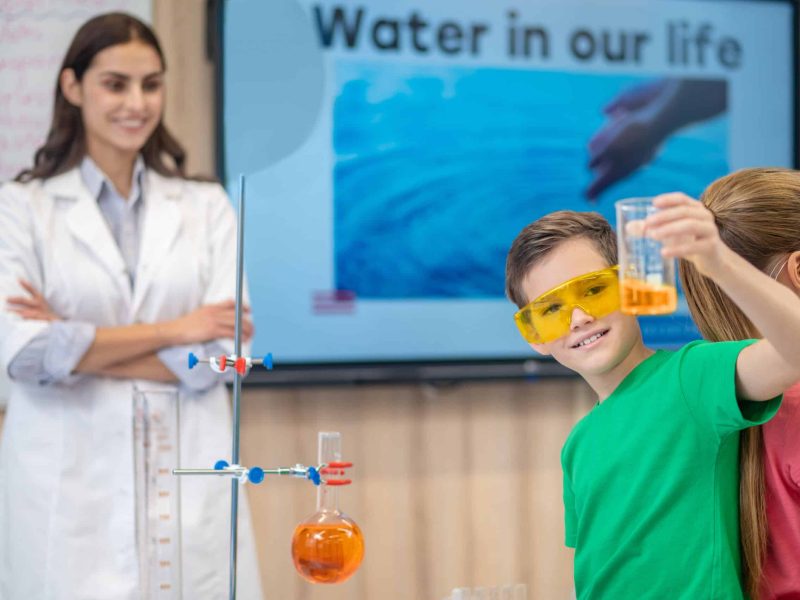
(327, 552)
(640, 298)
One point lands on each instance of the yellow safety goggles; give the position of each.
(548, 317)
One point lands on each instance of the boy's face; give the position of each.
(617, 334)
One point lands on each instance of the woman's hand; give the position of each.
(687, 230)
(33, 307)
(210, 322)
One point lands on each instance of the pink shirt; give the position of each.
(782, 481)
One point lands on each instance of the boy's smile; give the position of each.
(589, 340)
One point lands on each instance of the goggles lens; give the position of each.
(548, 317)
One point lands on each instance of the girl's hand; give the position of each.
(209, 322)
(686, 230)
(33, 307)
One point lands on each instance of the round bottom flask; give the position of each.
(328, 546)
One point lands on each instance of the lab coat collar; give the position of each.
(86, 223)
(94, 179)
(162, 223)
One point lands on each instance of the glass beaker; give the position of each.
(480, 593)
(156, 442)
(646, 279)
(328, 546)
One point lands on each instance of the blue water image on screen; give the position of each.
(438, 169)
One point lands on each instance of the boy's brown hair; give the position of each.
(542, 236)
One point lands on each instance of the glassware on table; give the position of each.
(517, 591)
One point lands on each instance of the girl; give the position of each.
(757, 212)
(113, 264)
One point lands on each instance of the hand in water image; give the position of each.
(641, 118)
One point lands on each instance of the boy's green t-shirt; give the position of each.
(651, 480)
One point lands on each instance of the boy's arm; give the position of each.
(767, 368)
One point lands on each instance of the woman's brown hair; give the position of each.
(66, 141)
(757, 212)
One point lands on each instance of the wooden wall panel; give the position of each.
(189, 114)
(445, 462)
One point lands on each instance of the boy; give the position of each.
(651, 473)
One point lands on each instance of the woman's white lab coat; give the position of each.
(67, 515)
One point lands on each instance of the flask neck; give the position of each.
(327, 498)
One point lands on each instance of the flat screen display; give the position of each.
(393, 149)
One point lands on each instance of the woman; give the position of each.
(757, 212)
(113, 264)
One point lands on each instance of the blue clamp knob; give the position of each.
(313, 475)
(193, 360)
(220, 465)
(268, 361)
(256, 475)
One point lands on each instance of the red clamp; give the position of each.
(336, 468)
(241, 366)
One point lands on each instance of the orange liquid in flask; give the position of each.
(328, 552)
(640, 298)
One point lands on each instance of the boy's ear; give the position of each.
(541, 349)
(793, 269)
